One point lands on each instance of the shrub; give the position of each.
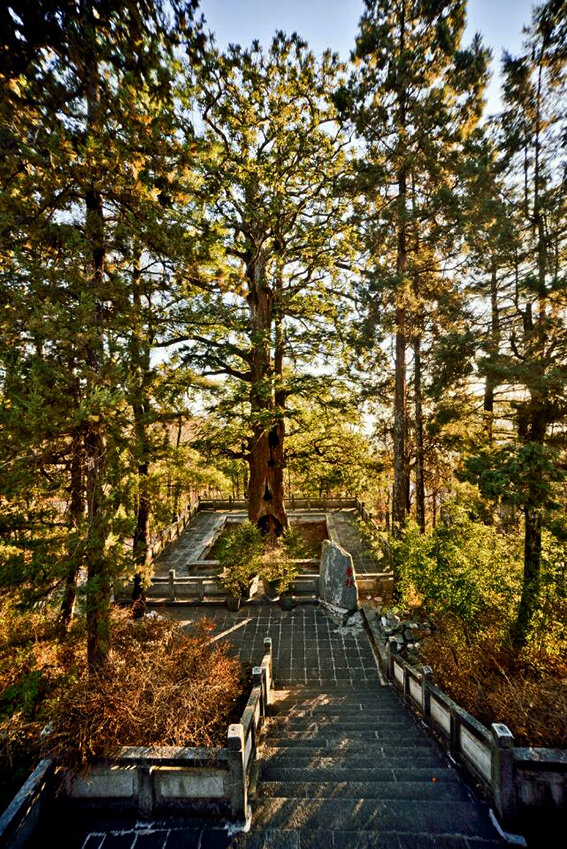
(161, 687)
(463, 568)
(278, 566)
(240, 556)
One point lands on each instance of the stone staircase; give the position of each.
(349, 768)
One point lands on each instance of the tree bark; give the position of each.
(400, 469)
(490, 383)
(140, 375)
(75, 545)
(266, 506)
(531, 578)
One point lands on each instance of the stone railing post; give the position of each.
(146, 793)
(426, 681)
(238, 791)
(172, 584)
(259, 680)
(406, 683)
(389, 662)
(503, 788)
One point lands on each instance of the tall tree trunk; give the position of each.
(532, 420)
(98, 573)
(140, 376)
(419, 451)
(400, 469)
(266, 507)
(75, 544)
(531, 579)
(490, 383)
(141, 542)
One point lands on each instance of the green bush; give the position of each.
(463, 568)
(240, 556)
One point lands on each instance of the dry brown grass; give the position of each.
(526, 691)
(161, 687)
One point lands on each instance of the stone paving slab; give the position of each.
(308, 646)
(192, 543)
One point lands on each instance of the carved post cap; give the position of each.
(236, 736)
(502, 736)
(427, 671)
(268, 644)
(257, 672)
(172, 574)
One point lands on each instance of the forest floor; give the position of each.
(526, 690)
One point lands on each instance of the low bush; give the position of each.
(160, 687)
(465, 577)
(240, 556)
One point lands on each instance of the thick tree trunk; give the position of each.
(266, 506)
(75, 545)
(531, 580)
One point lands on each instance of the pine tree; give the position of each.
(269, 188)
(415, 97)
(89, 131)
(532, 363)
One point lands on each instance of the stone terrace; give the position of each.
(198, 537)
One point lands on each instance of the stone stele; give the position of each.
(337, 580)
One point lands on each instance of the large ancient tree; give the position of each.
(269, 188)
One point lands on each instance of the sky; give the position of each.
(333, 23)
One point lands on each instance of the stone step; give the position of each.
(340, 682)
(284, 838)
(305, 723)
(351, 692)
(339, 711)
(459, 819)
(337, 737)
(385, 773)
(433, 791)
(349, 696)
(354, 754)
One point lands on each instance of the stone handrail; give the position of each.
(299, 502)
(171, 532)
(519, 780)
(243, 736)
(22, 815)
